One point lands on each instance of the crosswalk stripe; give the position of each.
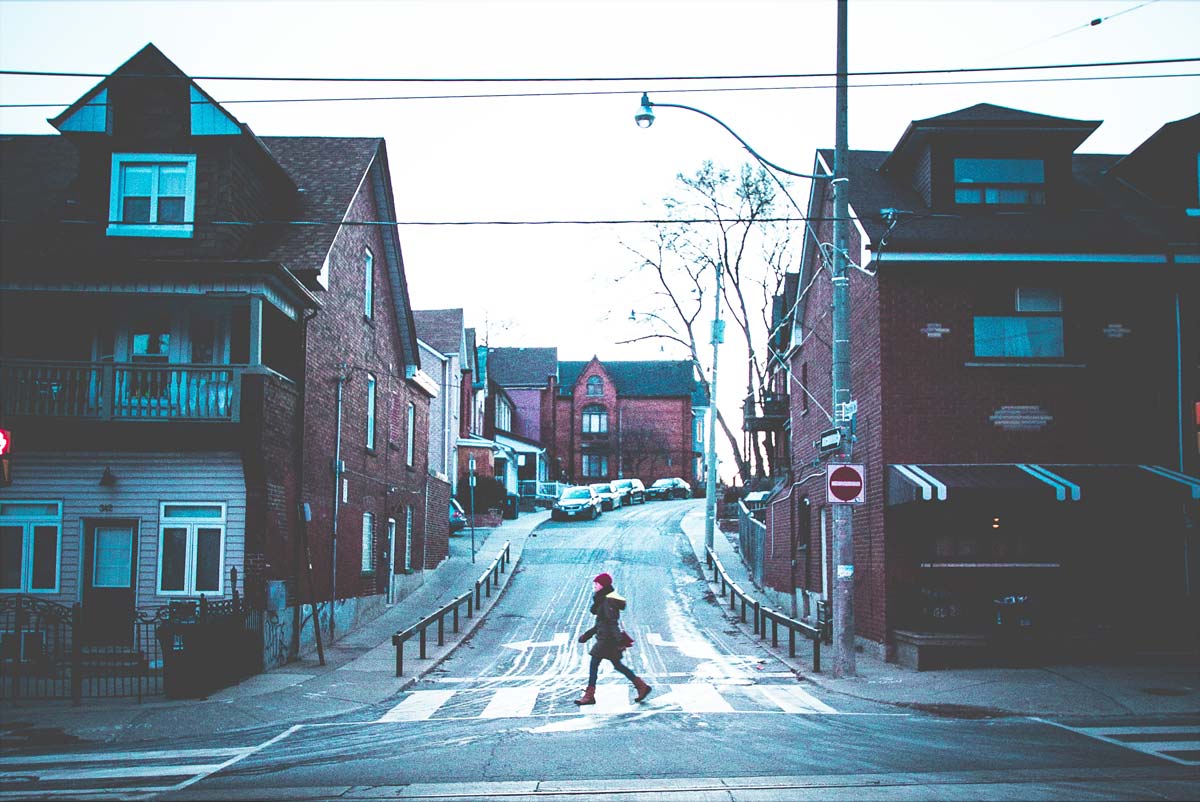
(1165, 747)
(697, 697)
(511, 703)
(792, 699)
(611, 699)
(418, 706)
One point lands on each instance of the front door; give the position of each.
(109, 580)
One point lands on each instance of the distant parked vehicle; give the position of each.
(632, 490)
(610, 497)
(576, 502)
(668, 488)
(458, 518)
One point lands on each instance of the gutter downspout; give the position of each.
(337, 497)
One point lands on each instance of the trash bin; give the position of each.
(1014, 628)
(183, 673)
(511, 506)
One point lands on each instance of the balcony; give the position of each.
(114, 391)
(767, 414)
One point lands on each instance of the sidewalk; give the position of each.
(359, 668)
(1081, 690)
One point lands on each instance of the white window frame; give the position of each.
(191, 525)
(411, 450)
(599, 461)
(371, 393)
(597, 383)
(368, 543)
(369, 285)
(408, 537)
(27, 522)
(595, 419)
(117, 228)
(504, 415)
(126, 579)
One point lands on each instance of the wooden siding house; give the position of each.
(181, 361)
(1025, 350)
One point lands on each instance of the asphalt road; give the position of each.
(726, 720)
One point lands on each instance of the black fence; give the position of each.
(45, 651)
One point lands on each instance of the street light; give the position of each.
(843, 549)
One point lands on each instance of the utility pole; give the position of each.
(710, 491)
(843, 410)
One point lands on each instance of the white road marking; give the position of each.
(511, 703)
(152, 770)
(792, 699)
(559, 639)
(696, 697)
(418, 706)
(611, 699)
(110, 757)
(1111, 735)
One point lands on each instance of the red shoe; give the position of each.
(643, 690)
(589, 696)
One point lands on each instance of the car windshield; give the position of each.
(623, 483)
(577, 492)
(663, 483)
(602, 488)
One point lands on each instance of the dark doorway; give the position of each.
(110, 551)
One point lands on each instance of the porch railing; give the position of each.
(752, 537)
(121, 391)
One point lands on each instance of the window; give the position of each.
(191, 548)
(369, 287)
(595, 386)
(804, 388)
(371, 412)
(504, 415)
(152, 195)
(699, 420)
(1000, 182)
(595, 420)
(412, 433)
(595, 465)
(30, 546)
(368, 542)
(112, 557)
(1034, 332)
(150, 341)
(408, 533)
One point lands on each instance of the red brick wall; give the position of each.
(437, 524)
(340, 333)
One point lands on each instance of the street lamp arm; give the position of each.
(648, 117)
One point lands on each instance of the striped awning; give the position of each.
(1067, 483)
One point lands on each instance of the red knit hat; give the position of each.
(604, 580)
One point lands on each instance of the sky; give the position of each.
(580, 156)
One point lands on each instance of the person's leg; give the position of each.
(643, 690)
(621, 667)
(593, 670)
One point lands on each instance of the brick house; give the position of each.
(610, 420)
(1025, 359)
(443, 341)
(181, 367)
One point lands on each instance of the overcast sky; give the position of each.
(582, 157)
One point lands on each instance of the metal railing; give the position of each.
(120, 391)
(472, 598)
(547, 490)
(762, 615)
(752, 539)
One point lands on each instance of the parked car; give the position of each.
(668, 488)
(610, 497)
(576, 502)
(632, 490)
(458, 518)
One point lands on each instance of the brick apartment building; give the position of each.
(642, 419)
(181, 367)
(1025, 335)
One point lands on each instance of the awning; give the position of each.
(1067, 483)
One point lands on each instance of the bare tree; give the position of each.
(740, 233)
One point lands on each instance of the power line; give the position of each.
(601, 93)
(606, 79)
(431, 223)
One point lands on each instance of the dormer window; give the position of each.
(152, 195)
(1008, 182)
(595, 386)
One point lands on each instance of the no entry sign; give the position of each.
(844, 484)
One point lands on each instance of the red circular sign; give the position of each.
(845, 483)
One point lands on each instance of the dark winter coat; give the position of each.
(607, 607)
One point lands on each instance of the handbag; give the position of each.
(626, 641)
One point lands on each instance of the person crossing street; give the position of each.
(611, 640)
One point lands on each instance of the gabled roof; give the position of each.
(985, 119)
(644, 378)
(441, 328)
(327, 172)
(521, 367)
